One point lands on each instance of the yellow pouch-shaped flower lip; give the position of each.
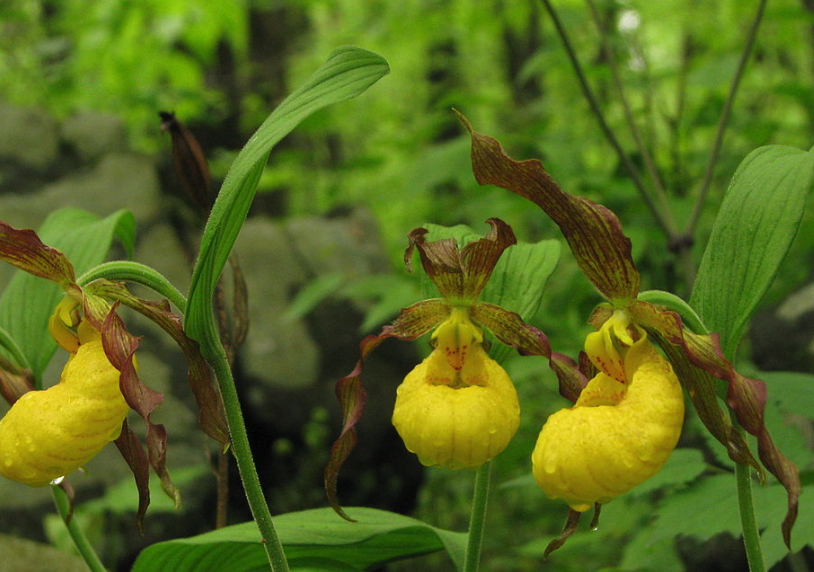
(458, 408)
(461, 427)
(616, 436)
(50, 433)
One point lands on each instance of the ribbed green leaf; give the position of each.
(348, 72)
(313, 539)
(752, 234)
(27, 301)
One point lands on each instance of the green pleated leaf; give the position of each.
(348, 72)
(27, 301)
(754, 229)
(313, 540)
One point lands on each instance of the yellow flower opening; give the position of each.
(458, 408)
(50, 433)
(622, 428)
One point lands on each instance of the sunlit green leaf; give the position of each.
(753, 231)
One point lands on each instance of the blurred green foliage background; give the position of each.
(221, 66)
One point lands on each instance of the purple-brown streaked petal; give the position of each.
(418, 319)
(120, 347)
(698, 360)
(350, 391)
(571, 523)
(593, 232)
(480, 257)
(666, 328)
(510, 329)
(747, 398)
(133, 453)
(211, 415)
(23, 249)
(441, 260)
(412, 322)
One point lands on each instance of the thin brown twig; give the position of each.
(647, 158)
(724, 120)
(669, 230)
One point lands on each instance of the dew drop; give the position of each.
(57, 481)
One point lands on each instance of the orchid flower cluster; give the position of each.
(458, 408)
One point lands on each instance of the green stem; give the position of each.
(724, 120)
(480, 499)
(751, 535)
(125, 270)
(245, 461)
(81, 541)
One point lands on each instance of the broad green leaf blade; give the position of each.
(313, 539)
(348, 72)
(27, 301)
(754, 229)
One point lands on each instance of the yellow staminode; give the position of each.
(622, 428)
(458, 408)
(50, 433)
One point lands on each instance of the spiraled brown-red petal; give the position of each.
(698, 359)
(133, 453)
(120, 347)
(350, 391)
(593, 232)
(411, 323)
(211, 415)
(24, 250)
(510, 329)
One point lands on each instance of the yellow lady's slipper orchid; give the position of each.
(622, 428)
(458, 408)
(50, 433)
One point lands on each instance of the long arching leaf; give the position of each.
(348, 72)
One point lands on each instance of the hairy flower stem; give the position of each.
(126, 270)
(81, 541)
(245, 462)
(480, 499)
(751, 536)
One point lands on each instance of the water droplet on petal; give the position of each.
(57, 481)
